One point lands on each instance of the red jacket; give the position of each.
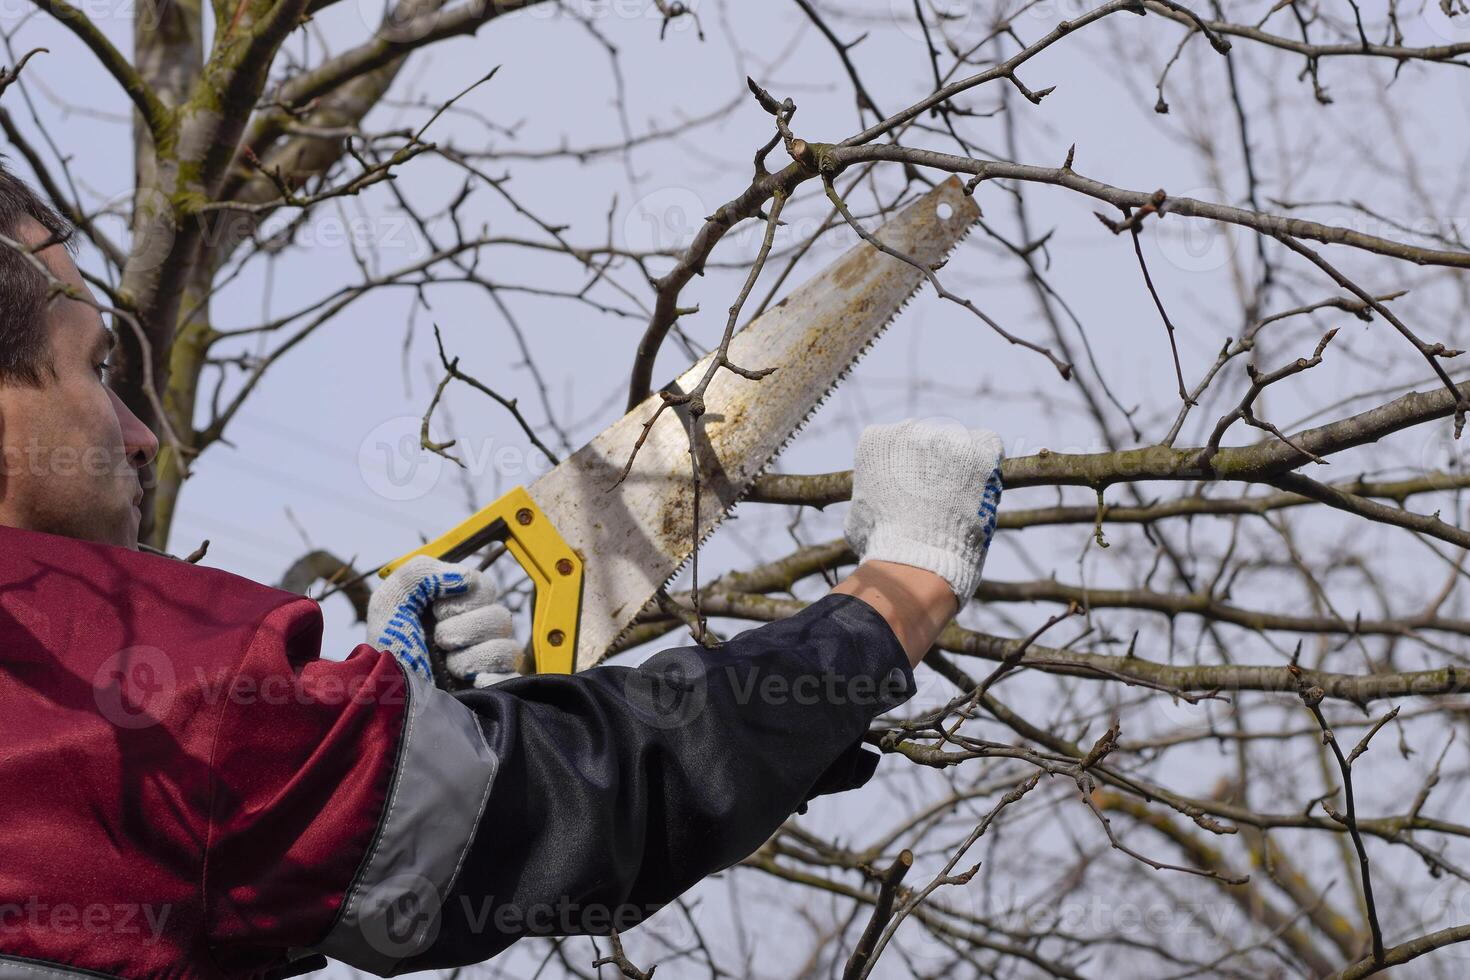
(189, 791)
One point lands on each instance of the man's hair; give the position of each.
(24, 290)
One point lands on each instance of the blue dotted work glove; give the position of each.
(471, 629)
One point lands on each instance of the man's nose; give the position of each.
(139, 442)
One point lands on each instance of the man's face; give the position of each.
(70, 450)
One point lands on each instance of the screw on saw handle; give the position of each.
(555, 569)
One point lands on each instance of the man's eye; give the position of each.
(103, 370)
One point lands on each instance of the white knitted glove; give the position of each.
(471, 629)
(925, 493)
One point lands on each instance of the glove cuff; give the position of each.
(961, 571)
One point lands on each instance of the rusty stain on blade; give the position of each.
(636, 537)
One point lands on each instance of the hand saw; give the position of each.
(597, 549)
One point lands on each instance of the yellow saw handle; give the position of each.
(555, 569)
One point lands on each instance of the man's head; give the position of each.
(71, 453)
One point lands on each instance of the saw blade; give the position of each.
(635, 535)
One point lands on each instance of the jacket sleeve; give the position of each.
(362, 813)
(619, 788)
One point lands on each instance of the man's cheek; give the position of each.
(104, 442)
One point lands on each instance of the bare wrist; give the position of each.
(916, 603)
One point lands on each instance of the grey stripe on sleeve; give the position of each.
(440, 784)
(22, 968)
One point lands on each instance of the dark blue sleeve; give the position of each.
(619, 788)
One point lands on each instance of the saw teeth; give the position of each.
(760, 470)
